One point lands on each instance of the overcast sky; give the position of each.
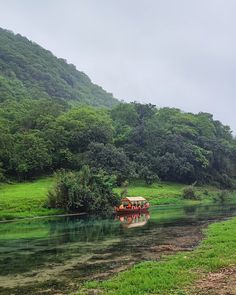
(177, 53)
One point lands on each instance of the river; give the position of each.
(54, 255)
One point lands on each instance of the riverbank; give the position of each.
(27, 199)
(184, 273)
(166, 193)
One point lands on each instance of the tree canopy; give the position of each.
(131, 140)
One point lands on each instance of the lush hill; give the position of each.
(29, 71)
(41, 132)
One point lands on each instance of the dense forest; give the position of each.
(45, 126)
(128, 141)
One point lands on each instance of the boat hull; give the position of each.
(128, 211)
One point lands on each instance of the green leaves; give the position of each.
(110, 159)
(82, 191)
(30, 156)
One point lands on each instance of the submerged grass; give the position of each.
(176, 274)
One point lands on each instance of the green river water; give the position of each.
(55, 255)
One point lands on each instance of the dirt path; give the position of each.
(218, 283)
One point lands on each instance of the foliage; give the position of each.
(124, 191)
(82, 191)
(189, 193)
(38, 137)
(29, 71)
(30, 156)
(42, 128)
(79, 127)
(27, 199)
(176, 274)
(222, 196)
(110, 159)
(176, 146)
(148, 175)
(2, 177)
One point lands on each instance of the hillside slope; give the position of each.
(29, 71)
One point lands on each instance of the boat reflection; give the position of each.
(133, 220)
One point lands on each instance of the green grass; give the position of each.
(167, 193)
(26, 199)
(176, 274)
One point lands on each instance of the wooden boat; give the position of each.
(132, 205)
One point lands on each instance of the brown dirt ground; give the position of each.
(222, 282)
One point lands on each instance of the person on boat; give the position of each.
(122, 218)
(129, 206)
(121, 206)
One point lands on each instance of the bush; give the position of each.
(124, 191)
(206, 192)
(2, 176)
(82, 191)
(223, 196)
(189, 193)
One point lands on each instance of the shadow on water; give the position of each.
(56, 254)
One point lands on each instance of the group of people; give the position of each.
(135, 206)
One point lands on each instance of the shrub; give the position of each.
(2, 176)
(223, 196)
(189, 193)
(124, 192)
(206, 192)
(82, 191)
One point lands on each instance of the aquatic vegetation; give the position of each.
(176, 274)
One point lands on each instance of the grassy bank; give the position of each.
(168, 193)
(27, 199)
(176, 274)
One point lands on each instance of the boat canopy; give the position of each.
(133, 199)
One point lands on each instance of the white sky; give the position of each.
(166, 52)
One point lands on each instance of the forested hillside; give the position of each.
(41, 132)
(29, 71)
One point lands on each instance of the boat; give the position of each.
(132, 205)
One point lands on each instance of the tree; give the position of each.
(30, 156)
(83, 191)
(85, 125)
(110, 159)
(149, 176)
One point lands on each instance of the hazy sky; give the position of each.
(178, 53)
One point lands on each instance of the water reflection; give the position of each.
(133, 220)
